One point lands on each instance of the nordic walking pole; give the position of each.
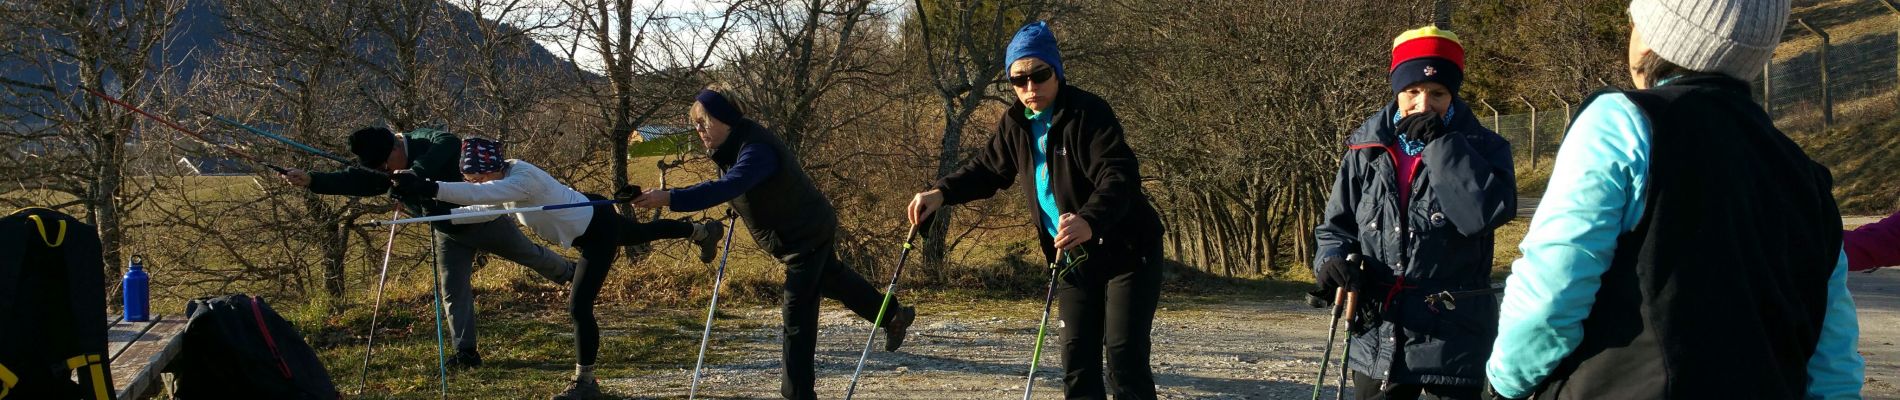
(889, 293)
(369, 347)
(299, 146)
(1352, 304)
(1339, 298)
(260, 132)
(193, 134)
(711, 309)
(488, 213)
(1042, 329)
(441, 360)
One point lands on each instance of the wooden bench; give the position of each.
(139, 352)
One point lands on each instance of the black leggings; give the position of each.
(1108, 306)
(606, 232)
(809, 277)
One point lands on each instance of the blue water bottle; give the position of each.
(137, 294)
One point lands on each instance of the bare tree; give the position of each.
(1237, 109)
(404, 83)
(803, 51)
(962, 43)
(293, 65)
(652, 58)
(82, 141)
(510, 74)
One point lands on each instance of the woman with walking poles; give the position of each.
(764, 182)
(1420, 190)
(1686, 248)
(490, 182)
(1087, 199)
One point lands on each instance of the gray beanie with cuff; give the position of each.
(1730, 37)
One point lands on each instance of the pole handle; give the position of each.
(1352, 295)
(1352, 304)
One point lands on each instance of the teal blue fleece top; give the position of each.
(1045, 199)
(1597, 193)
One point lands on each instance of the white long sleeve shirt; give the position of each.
(523, 185)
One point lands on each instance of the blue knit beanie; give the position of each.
(1035, 40)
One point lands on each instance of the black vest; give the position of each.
(1721, 289)
(786, 213)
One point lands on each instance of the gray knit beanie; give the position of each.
(1730, 37)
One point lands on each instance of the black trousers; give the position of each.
(1366, 388)
(1108, 303)
(599, 244)
(808, 277)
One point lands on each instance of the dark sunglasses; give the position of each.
(1039, 75)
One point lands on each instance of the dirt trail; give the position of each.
(1240, 350)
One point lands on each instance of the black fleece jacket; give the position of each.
(1093, 172)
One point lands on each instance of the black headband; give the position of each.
(718, 108)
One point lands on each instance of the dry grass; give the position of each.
(1531, 182)
(1864, 159)
(1799, 119)
(1843, 20)
(1508, 236)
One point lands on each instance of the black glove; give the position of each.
(408, 184)
(1424, 127)
(627, 193)
(1335, 273)
(1319, 298)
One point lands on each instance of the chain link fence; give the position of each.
(1859, 81)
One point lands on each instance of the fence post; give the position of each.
(1827, 99)
(1494, 113)
(1895, 8)
(1566, 107)
(1441, 14)
(1533, 126)
(1566, 116)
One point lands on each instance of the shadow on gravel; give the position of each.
(882, 362)
(1185, 282)
(1224, 388)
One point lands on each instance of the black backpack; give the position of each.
(237, 348)
(52, 308)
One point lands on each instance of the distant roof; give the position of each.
(652, 131)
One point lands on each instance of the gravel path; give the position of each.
(1225, 351)
(1237, 350)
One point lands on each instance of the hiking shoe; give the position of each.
(465, 360)
(895, 328)
(709, 235)
(580, 390)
